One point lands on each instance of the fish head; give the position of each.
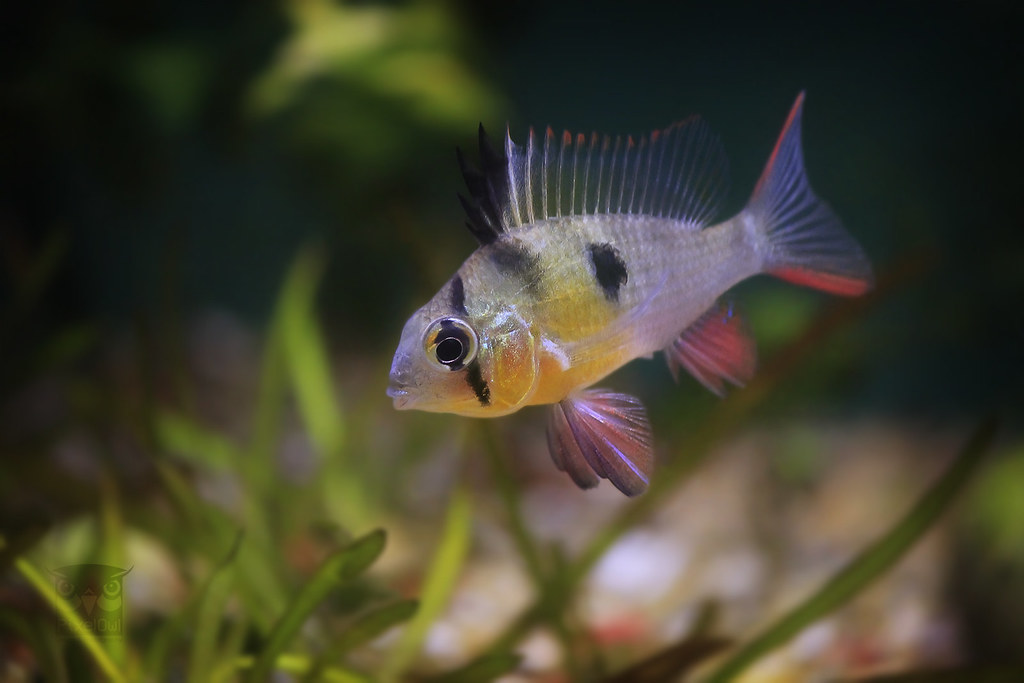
(451, 361)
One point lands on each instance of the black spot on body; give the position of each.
(514, 258)
(458, 294)
(477, 383)
(609, 269)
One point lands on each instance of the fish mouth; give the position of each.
(400, 395)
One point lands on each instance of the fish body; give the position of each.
(595, 252)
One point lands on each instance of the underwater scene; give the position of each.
(527, 342)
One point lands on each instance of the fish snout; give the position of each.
(400, 395)
(399, 383)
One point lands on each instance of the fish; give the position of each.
(596, 251)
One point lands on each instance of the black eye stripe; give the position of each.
(458, 294)
(478, 384)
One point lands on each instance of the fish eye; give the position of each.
(450, 343)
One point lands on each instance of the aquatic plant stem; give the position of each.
(438, 584)
(81, 631)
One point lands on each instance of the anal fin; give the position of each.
(715, 349)
(598, 433)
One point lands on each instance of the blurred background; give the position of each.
(215, 218)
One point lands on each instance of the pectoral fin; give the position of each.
(598, 433)
(715, 349)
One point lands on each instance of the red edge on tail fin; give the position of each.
(794, 112)
(826, 282)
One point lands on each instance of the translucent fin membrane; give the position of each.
(599, 433)
(807, 244)
(679, 173)
(716, 349)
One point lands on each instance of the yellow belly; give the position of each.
(555, 381)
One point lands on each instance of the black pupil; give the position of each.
(449, 350)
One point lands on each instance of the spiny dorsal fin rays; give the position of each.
(548, 136)
(488, 191)
(514, 179)
(678, 173)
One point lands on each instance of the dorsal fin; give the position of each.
(488, 191)
(679, 172)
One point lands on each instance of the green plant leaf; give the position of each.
(305, 353)
(870, 564)
(213, 599)
(373, 623)
(365, 628)
(191, 441)
(293, 664)
(308, 371)
(486, 668)
(438, 585)
(669, 664)
(344, 565)
(74, 621)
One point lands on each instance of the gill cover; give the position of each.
(513, 363)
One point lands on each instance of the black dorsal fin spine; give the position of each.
(488, 191)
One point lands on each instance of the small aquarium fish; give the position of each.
(595, 251)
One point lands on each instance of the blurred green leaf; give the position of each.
(871, 563)
(489, 667)
(438, 585)
(70, 617)
(293, 664)
(344, 565)
(672, 662)
(373, 623)
(309, 372)
(995, 506)
(405, 54)
(213, 600)
(305, 354)
(362, 630)
(112, 543)
(185, 438)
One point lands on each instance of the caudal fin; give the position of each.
(800, 238)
